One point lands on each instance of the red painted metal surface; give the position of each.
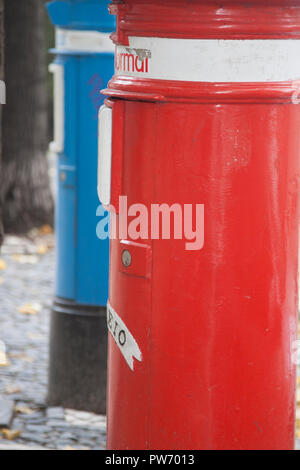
(216, 326)
(206, 19)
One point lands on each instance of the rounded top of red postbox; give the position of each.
(207, 50)
(211, 19)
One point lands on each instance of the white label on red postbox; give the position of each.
(122, 336)
(210, 60)
(104, 154)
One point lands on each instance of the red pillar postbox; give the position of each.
(203, 110)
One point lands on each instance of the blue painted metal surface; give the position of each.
(82, 258)
(81, 15)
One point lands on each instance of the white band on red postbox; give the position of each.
(210, 60)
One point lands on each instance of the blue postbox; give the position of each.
(82, 66)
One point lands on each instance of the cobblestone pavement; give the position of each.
(26, 292)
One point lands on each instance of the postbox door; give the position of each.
(129, 305)
(185, 308)
(64, 145)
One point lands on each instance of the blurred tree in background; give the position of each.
(25, 189)
(50, 43)
(1, 78)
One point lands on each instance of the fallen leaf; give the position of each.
(298, 417)
(31, 335)
(298, 380)
(4, 362)
(46, 229)
(26, 259)
(21, 356)
(11, 434)
(69, 448)
(30, 309)
(13, 388)
(2, 264)
(42, 249)
(3, 357)
(28, 359)
(25, 410)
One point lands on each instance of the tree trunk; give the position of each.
(25, 188)
(1, 78)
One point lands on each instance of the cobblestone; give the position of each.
(26, 291)
(55, 413)
(6, 412)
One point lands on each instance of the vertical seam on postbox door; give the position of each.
(76, 188)
(116, 189)
(154, 158)
(123, 146)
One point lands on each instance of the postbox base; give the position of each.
(78, 356)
